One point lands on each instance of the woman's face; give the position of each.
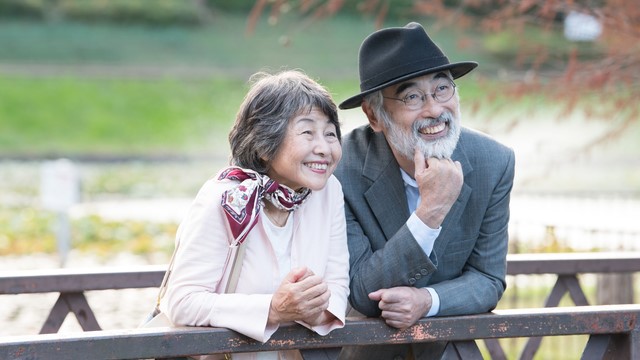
(309, 153)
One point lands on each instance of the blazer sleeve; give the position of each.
(391, 264)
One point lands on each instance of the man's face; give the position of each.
(432, 126)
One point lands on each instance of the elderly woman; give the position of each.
(281, 201)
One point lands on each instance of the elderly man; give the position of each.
(426, 199)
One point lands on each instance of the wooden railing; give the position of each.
(614, 334)
(567, 267)
(72, 285)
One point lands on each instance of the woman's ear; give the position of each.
(373, 120)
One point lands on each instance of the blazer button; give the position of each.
(418, 276)
(424, 272)
(412, 281)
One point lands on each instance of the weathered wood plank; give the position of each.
(149, 343)
(73, 280)
(573, 263)
(77, 280)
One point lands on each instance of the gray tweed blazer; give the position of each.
(467, 267)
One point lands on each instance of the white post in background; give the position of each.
(59, 190)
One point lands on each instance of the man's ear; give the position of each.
(374, 122)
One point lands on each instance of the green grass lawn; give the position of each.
(76, 116)
(55, 97)
(327, 48)
(69, 88)
(115, 116)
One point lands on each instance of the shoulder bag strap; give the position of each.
(232, 282)
(236, 266)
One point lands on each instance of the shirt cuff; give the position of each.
(424, 235)
(435, 303)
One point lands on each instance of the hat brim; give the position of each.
(457, 70)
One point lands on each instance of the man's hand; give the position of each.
(439, 182)
(402, 306)
(302, 295)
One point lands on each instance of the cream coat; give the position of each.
(319, 242)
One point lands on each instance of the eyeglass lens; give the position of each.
(442, 92)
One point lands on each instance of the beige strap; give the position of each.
(165, 279)
(236, 267)
(232, 282)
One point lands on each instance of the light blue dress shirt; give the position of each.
(425, 235)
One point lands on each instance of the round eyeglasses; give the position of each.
(416, 98)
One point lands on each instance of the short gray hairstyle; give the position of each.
(263, 118)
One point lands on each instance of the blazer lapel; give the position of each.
(386, 195)
(458, 207)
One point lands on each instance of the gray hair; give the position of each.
(263, 118)
(375, 100)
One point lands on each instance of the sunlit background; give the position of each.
(113, 113)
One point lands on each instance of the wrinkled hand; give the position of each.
(439, 182)
(301, 296)
(402, 306)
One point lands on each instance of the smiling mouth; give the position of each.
(317, 166)
(432, 130)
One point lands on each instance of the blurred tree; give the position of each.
(597, 57)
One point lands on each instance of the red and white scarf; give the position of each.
(243, 202)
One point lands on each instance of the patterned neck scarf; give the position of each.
(243, 202)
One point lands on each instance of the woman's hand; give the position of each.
(302, 296)
(322, 318)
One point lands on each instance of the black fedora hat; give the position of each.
(391, 55)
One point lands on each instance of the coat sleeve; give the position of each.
(390, 265)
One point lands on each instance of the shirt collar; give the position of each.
(408, 180)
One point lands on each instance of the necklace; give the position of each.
(278, 217)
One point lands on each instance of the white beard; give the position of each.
(441, 148)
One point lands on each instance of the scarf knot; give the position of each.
(242, 203)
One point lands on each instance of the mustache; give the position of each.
(445, 117)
